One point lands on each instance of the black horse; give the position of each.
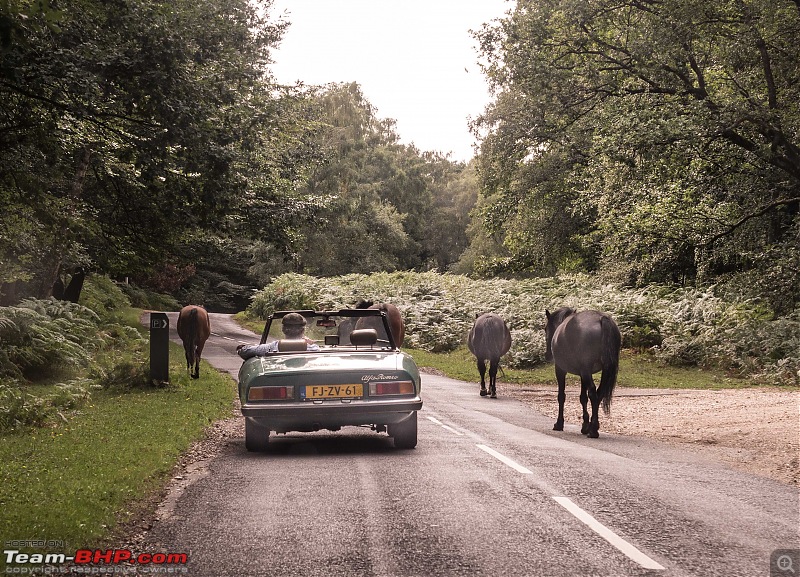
(583, 343)
(489, 338)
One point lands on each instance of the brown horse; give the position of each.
(194, 329)
(583, 343)
(489, 338)
(393, 316)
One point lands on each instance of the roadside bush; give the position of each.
(126, 374)
(679, 326)
(57, 340)
(20, 409)
(71, 395)
(145, 299)
(103, 296)
(44, 336)
(287, 292)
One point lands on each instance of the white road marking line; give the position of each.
(500, 457)
(629, 550)
(446, 427)
(626, 548)
(222, 337)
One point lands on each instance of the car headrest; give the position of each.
(364, 337)
(291, 345)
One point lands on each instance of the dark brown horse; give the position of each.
(393, 316)
(583, 343)
(194, 329)
(489, 338)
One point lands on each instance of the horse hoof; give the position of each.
(195, 376)
(494, 395)
(584, 430)
(594, 434)
(558, 427)
(484, 392)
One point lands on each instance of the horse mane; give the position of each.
(559, 315)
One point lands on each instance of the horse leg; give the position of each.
(198, 351)
(561, 377)
(482, 371)
(493, 365)
(584, 401)
(188, 354)
(594, 424)
(196, 373)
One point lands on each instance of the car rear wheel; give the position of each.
(256, 436)
(405, 433)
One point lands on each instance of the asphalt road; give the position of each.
(490, 490)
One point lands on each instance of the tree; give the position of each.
(664, 131)
(388, 206)
(129, 125)
(454, 188)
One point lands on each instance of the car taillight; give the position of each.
(270, 393)
(391, 388)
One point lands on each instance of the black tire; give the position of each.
(256, 436)
(404, 433)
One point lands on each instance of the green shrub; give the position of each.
(149, 300)
(679, 326)
(287, 292)
(40, 337)
(71, 395)
(126, 368)
(103, 296)
(62, 341)
(19, 409)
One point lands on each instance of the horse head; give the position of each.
(554, 319)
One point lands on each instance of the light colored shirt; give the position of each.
(249, 351)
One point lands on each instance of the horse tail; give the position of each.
(189, 344)
(612, 342)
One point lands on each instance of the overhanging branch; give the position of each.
(748, 217)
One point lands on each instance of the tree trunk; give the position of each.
(61, 238)
(73, 291)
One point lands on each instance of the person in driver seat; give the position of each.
(293, 326)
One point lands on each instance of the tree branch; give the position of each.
(748, 217)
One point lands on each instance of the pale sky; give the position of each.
(415, 60)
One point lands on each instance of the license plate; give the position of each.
(334, 391)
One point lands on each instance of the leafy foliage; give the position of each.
(683, 326)
(42, 336)
(69, 346)
(387, 205)
(652, 141)
(126, 126)
(19, 409)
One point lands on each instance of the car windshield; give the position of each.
(330, 329)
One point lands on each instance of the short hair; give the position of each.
(294, 319)
(293, 325)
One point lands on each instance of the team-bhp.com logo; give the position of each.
(86, 559)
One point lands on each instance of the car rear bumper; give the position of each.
(310, 416)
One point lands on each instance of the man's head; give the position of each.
(293, 326)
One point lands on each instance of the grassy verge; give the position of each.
(74, 481)
(635, 371)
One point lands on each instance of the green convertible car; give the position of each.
(317, 370)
